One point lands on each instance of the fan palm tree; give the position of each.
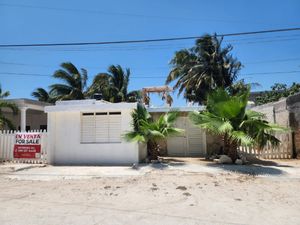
(145, 130)
(114, 85)
(42, 95)
(8, 105)
(74, 83)
(227, 116)
(201, 69)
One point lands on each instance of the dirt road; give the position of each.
(160, 196)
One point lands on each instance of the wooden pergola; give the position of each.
(164, 90)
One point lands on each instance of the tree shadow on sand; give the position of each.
(254, 170)
(263, 162)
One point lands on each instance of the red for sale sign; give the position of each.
(27, 145)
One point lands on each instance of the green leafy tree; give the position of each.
(203, 68)
(227, 116)
(240, 87)
(114, 85)
(73, 83)
(5, 122)
(149, 131)
(277, 92)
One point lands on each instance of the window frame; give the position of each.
(108, 114)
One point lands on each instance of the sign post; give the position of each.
(27, 145)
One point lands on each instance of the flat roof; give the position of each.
(88, 105)
(29, 103)
(179, 109)
(94, 105)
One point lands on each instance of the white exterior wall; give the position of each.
(65, 147)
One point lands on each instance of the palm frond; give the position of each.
(241, 138)
(3, 94)
(211, 123)
(6, 122)
(10, 105)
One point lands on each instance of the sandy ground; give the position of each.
(180, 192)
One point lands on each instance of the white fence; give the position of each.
(266, 153)
(283, 151)
(7, 141)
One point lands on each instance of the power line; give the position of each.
(161, 67)
(135, 48)
(155, 46)
(149, 77)
(146, 40)
(275, 60)
(276, 72)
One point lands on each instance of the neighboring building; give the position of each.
(285, 112)
(31, 114)
(89, 132)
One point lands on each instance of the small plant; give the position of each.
(149, 131)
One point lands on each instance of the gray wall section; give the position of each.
(285, 112)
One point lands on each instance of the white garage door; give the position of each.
(190, 143)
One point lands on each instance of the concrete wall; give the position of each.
(293, 106)
(65, 147)
(279, 113)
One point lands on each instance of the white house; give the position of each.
(89, 132)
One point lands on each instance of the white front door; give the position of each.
(192, 142)
(196, 140)
(177, 146)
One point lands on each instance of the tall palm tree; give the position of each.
(42, 95)
(148, 131)
(3, 94)
(227, 115)
(202, 68)
(9, 105)
(74, 83)
(114, 85)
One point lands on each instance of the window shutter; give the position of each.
(87, 127)
(115, 127)
(101, 127)
(101, 131)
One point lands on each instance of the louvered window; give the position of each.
(101, 127)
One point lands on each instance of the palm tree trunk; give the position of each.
(153, 150)
(226, 144)
(232, 153)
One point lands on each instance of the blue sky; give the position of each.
(35, 21)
